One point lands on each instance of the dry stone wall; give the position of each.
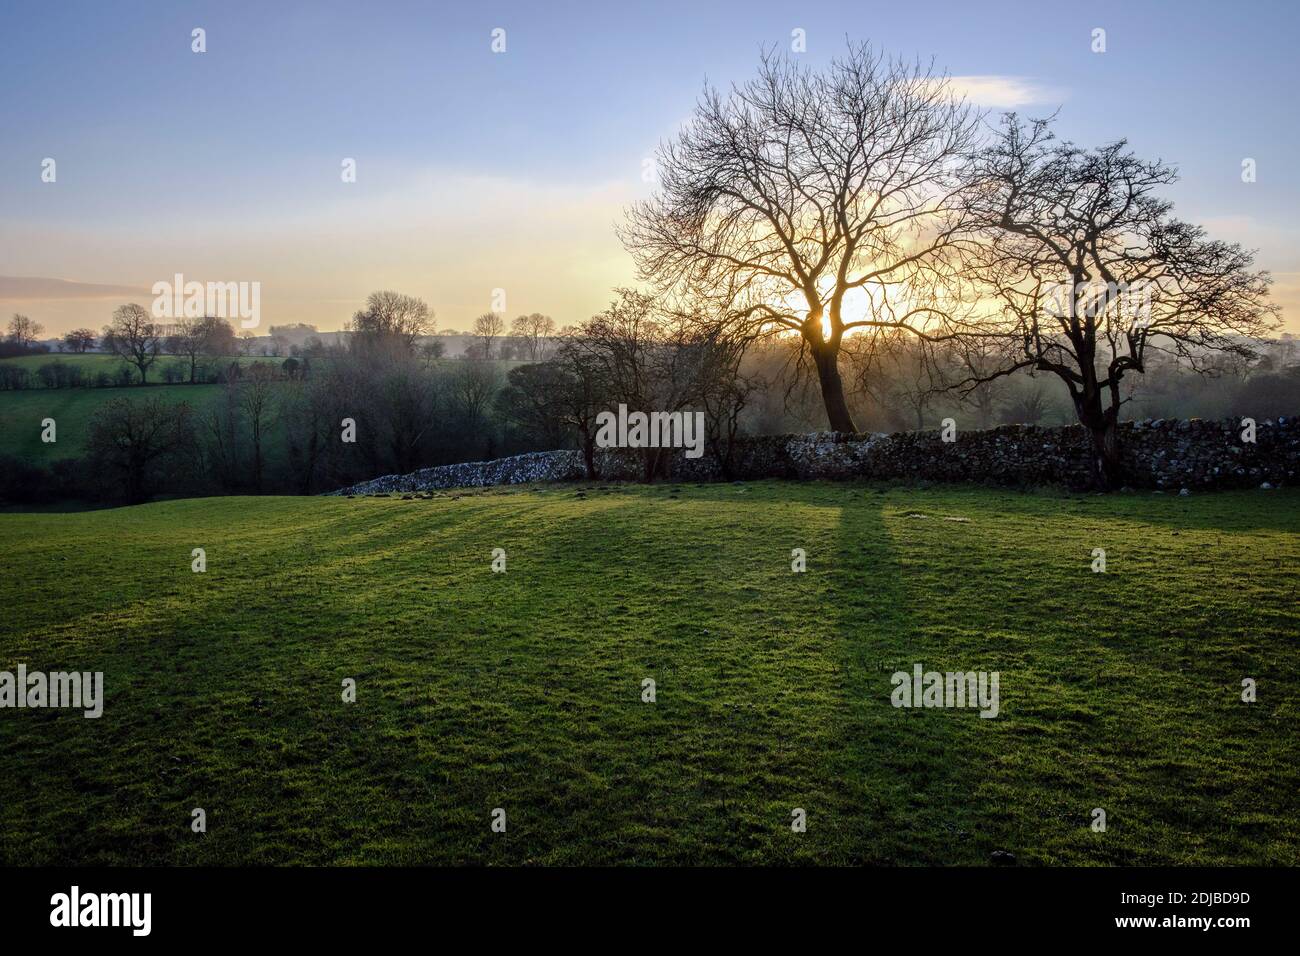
(1158, 454)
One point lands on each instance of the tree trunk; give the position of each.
(309, 466)
(589, 454)
(1107, 468)
(826, 358)
(257, 457)
(1103, 427)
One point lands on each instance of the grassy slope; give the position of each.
(21, 414)
(522, 690)
(92, 363)
(22, 411)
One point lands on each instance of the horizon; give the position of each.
(479, 171)
(743, 436)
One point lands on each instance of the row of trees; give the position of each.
(136, 338)
(392, 317)
(381, 404)
(529, 341)
(21, 336)
(639, 354)
(870, 198)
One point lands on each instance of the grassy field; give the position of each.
(21, 413)
(522, 690)
(92, 363)
(103, 361)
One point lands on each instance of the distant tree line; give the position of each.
(383, 402)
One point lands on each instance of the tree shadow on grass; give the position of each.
(636, 587)
(696, 595)
(904, 777)
(772, 691)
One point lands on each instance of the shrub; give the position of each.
(14, 377)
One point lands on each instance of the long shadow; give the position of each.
(238, 669)
(772, 688)
(695, 592)
(910, 770)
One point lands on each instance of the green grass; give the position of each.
(92, 363)
(522, 690)
(21, 414)
(22, 411)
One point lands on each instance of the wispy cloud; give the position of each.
(451, 237)
(41, 287)
(1006, 92)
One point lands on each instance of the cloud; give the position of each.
(451, 237)
(1005, 92)
(40, 287)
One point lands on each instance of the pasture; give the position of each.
(524, 690)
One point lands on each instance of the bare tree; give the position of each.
(533, 402)
(408, 406)
(24, 331)
(486, 328)
(812, 203)
(133, 336)
(197, 336)
(583, 393)
(724, 391)
(79, 340)
(1092, 275)
(256, 399)
(221, 424)
(219, 339)
(645, 359)
(133, 438)
(305, 412)
(977, 359)
(473, 387)
(1028, 406)
(533, 330)
(392, 316)
(902, 375)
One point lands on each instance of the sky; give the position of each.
(479, 171)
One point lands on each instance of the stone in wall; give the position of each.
(1158, 454)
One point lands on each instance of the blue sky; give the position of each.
(479, 171)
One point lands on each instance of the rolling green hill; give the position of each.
(523, 690)
(90, 362)
(21, 413)
(93, 363)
